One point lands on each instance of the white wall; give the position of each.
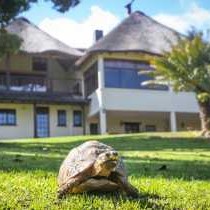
(24, 119)
(69, 129)
(115, 124)
(149, 100)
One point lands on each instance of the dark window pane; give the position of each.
(132, 127)
(39, 64)
(91, 80)
(129, 78)
(61, 118)
(150, 128)
(93, 128)
(42, 122)
(77, 118)
(124, 74)
(112, 77)
(7, 117)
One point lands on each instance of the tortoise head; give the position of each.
(106, 163)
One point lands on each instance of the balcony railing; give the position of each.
(38, 84)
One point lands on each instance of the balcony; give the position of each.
(39, 84)
(39, 88)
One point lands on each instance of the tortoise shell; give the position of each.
(83, 157)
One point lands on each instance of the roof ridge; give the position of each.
(157, 22)
(119, 24)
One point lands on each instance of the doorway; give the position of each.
(93, 128)
(42, 122)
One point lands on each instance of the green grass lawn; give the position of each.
(29, 168)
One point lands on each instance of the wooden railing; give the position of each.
(39, 84)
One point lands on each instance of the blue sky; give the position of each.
(71, 26)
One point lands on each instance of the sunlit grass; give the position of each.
(28, 172)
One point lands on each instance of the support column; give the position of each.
(84, 119)
(103, 125)
(83, 86)
(173, 121)
(102, 111)
(8, 69)
(48, 80)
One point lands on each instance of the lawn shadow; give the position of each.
(122, 143)
(47, 156)
(167, 168)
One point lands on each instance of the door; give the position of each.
(132, 127)
(93, 128)
(42, 122)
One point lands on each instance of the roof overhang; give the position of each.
(88, 55)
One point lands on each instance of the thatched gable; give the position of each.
(138, 32)
(37, 41)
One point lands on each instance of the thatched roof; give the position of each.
(137, 33)
(37, 41)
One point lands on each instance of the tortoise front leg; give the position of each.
(130, 190)
(70, 186)
(71, 183)
(66, 188)
(124, 185)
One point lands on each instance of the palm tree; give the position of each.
(187, 68)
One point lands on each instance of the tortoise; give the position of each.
(93, 166)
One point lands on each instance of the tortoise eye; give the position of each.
(107, 155)
(115, 153)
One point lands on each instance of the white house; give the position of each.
(50, 89)
(118, 101)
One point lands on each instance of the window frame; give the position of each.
(90, 79)
(150, 128)
(59, 113)
(128, 75)
(81, 118)
(7, 112)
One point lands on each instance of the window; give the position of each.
(28, 83)
(91, 80)
(150, 128)
(7, 117)
(77, 118)
(112, 78)
(39, 64)
(61, 118)
(124, 74)
(132, 127)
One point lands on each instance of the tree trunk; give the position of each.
(205, 118)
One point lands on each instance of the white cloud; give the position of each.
(195, 16)
(80, 34)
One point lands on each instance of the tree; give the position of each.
(187, 68)
(9, 9)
